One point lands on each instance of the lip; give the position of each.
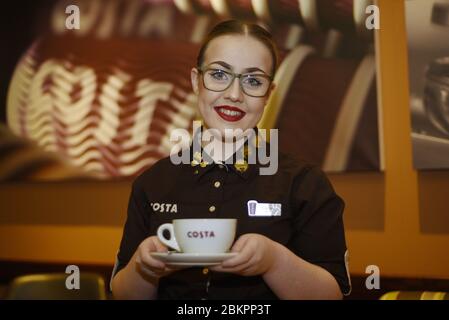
(227, 117)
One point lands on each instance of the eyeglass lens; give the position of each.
(252, 84)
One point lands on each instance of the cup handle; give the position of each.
(170, 242)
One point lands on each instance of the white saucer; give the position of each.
(192, 259)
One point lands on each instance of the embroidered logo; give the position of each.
(198, 160)
(164, 207)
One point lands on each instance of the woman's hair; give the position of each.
(231, 27)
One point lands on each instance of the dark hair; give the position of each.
(230, 27)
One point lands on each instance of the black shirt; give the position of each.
(310, 222)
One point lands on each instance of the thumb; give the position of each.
(239, 244)
(160, 247)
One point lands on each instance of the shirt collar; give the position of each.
(201, 162)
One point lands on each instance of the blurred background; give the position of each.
(427, 22)
(101, 101)
(84, 111)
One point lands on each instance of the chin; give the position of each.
(239, 133)
(221, 125)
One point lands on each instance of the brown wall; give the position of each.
(397, 220)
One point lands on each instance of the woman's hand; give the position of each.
(256, 255)
(149, 265)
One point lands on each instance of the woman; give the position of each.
(297, 253)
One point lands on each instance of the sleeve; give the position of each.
(136, 228)
(319, 236)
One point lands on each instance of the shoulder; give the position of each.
(293, 165)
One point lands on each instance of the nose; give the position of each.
(234, 92)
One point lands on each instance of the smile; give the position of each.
(229, 113)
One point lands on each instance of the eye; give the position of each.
(253, 81)
(217, 74)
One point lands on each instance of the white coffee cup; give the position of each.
(199, 235)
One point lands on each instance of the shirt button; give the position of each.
(217, 184)
(211, 208)
(205, 271)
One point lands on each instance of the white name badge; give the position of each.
(257, 209)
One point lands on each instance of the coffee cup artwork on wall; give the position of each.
(197, 242)
(427, 23)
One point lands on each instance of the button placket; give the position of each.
(217, 184)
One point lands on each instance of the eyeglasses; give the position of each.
(253, 85)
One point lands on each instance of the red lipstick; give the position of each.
(229, 113)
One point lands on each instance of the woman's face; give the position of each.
(232, 108)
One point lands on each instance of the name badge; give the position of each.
(257, 209)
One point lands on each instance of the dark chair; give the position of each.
(415, 295)
(52, 286)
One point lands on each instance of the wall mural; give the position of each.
(427, 25)
(99, 102)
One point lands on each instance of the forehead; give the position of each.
(239, 51)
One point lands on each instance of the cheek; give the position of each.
(256, 107)
(207, 99)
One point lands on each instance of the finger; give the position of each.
(150, 262)
(242, 269)
(242, 257)
(239, 269)
(219, 268)
(236, 262)
(239, 244)
(160, 247)
(249, 267)
(177, 268)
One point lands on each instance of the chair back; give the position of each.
(52, 286)
(415, 295)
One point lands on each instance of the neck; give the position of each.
(222, 150)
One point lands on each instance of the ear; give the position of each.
(194, 78)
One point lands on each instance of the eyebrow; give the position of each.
(229, 67)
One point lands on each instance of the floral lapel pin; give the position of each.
(197, 160)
